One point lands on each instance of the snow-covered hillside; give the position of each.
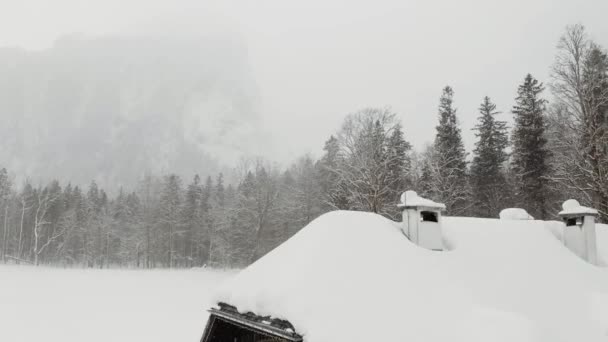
(351, 276)
(58, 305)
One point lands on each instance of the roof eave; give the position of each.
(255, 325)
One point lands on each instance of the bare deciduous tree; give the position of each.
(579, 119)
(44, 202)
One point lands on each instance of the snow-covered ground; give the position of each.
(500, 280)
(70, 305)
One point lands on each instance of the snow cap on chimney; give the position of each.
(422, 220)
(410, 199)
(571, 207)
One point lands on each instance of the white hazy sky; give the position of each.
(317, 60)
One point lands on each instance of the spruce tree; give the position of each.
(398, 164)
(93, 198)
(487, 173)
(451, 171)
(425, 187)
(219, 191)
(5, 190)
(170, 204)
(207, 213)
(333, 188)
(530, 155)
(191, 220)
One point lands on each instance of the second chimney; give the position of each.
(579, 233)
(422, 220)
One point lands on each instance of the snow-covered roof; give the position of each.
(353, 276)
(410, 199)
(572, 207)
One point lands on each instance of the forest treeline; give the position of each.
(554, 151)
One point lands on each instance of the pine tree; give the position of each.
(264, 210)
(93, 197)
(191, 219)
(451, 165)
(487, 170)
(398, 165)
(5, 190)
(206, 221)
(219, 218)
(530, 155)
(300, 196)
(426, 180)
(333, 187)
(219, 190)
(307, 190)
(170, 203)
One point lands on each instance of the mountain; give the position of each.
(114, 108)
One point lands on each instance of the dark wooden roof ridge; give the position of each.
(268, 324)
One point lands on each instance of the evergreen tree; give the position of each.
(451, 166)
(530, 155)
(219, 219)
(398, 166)
(292, 201)
(306, 191)
(206, 222)
(191, 220)
(264, 206)
(93, 233)
(426, 180)
(488, 179)
(5, 190)
(170, 203)
(219, 190)
(93, 197)
(333, 187)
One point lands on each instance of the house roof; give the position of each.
(353, 276)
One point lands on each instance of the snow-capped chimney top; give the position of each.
(579, 231)
(410, 199)
(572, 208)
(422, 220)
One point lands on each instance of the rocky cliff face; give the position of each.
(115, 108)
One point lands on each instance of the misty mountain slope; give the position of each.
(114, 108)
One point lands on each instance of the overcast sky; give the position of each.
(317, 60)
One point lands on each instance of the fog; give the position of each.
(270, 78)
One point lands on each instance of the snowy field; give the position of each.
(70, 305)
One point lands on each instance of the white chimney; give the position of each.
(579, 232)
(422, 220)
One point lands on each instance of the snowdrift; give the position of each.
(352, 276)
